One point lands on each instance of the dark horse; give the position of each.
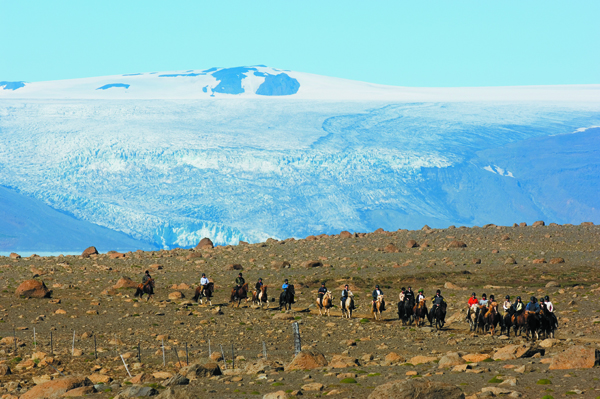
(145, 288)
(408, 314)
(208, 293)
(533, 324)
(239, 294)
(286, 299)
(421, 313)
(506, 322)
(401, 310)
(438, 315)
(547, 323)
(492, 318)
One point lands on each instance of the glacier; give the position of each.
(160, 160)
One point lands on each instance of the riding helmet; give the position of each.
(519, 298)
(547, 298)
(240, 274)
(492, 297)
(507, 297)
(438, 292)
(203, 274)
(323, 283)
(286, 280)
(483, 296)
(377, 286)
(473, 294)
(403, 289)
(532, 299)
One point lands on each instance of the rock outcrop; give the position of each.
(307, 360)
(576, 357)
(205, 243)
(33, 289)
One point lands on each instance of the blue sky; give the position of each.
(405, 43)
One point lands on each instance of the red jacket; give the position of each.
(473, 301)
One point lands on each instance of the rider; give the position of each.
(507, 306)
(376, 293)
(472, 301)
(402, 294)
(438, 300)
(146, 277)
(483, 301)
(420, 295)
(533, 306)
(239, 281)
(550, 308)
(203, 283)
(322, 291)
(258, 284)
(409, 295)
(285, 285)
(345, 293)
(518, 306)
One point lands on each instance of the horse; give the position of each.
(207, 293)
(239, 294)
(378, 307)
(145, 288)
(547, 324)
(421, 313)
(481, 321)
(347, 306)
(437, 315)
(533, 325)
(473, 316)
(492, 317)
(408, 314)
(519, 322)
(327, 303)
(506, 323)
(286, 298)
(260, 297)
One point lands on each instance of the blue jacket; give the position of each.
(285, 286)
(533, 307)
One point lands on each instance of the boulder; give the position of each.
(79, 392)
(276, 395)
(476, 357)
(510, 261)
(56, 388)
(116, 255)
(4, 369)
(307, 360)
(576, 357)
(312, 263)
(416, 388)
(457, 244)
(283, 316)
(450, 359)
(555, 261)
(346, 234)
(141, 378)
(538, 223)
(548, 343)
(176, 295)
(33, 289)
(201, 370)
(313, 386)
(162, 375)
(260, 367)
(125, 282)
(277, 265)
(89, 251)
(412, 244)
(539, 261)
(205, 243)
(177, 379)
(98, 378)
(393, 357)
(422, 359)
(137, 391)
(342, 361)
(391, 248)
(235, 266)
(552, 284)
(193, 255)
(476, 261)
(511, 352)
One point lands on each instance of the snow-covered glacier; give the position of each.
(160, 160)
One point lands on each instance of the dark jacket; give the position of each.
(375, 294)
(146, 278)
(438, 300)
(322, 291)
(240, 281)
(533, 307)
(258, 285)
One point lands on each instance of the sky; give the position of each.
(431, 43)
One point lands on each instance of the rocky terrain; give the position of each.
(76, 333)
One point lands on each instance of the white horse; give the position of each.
(327, 302)
(348, 306)
(377, 306)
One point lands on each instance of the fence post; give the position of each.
(177, 355)
(73, 345)
(223, 354)
(15, 338)
(34, 341)
(209, 351)
(297, 342)
(232, 357)
(95, 351)
(139, 352)
(187, 357)
(163, 351)
(51, 344)
(125, 364)
(264, 350)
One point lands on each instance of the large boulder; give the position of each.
(511, 352)
(312, 263)
(33, 289)
(56, 388)
(276, 395)
(346, 234)
(89, 251)
(457, 244)
(450, 359)
(411, 244)
(307, 360)
(125, 282)
(137, 391)
(391, 248)
(201, 370)
(342, 361)
(419, 388)
(576, 357)
(205, 243)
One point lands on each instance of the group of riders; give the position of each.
(533, 317)
(481, 313)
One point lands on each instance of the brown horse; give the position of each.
(239, 294)
(145, 288)
(378, 306)
(519, 322)
(260, 297)
(327, 303)
(492, 317)
(207, 293)
(420, 311)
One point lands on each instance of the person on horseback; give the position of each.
(507, 306)
(402, 295)
(420, 295)
(239, 281)
(533, 306)
(438, 300)
(322, 291)
(472, 301)
(376, 293)
(258, 284)
(550, 308)
(345, 296)
(409, 295)
(285, 285)
(203, 283)
(146, 277)
(484, 301)
(518, 307)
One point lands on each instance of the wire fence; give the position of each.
(69, 345)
